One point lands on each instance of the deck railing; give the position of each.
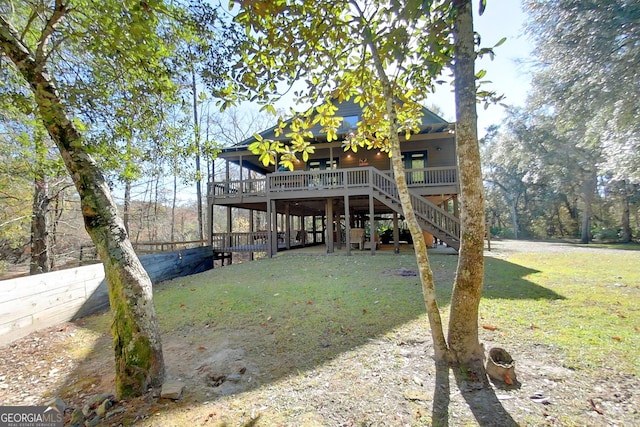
(256, 240)
(329, 179)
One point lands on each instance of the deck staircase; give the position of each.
(431, 217)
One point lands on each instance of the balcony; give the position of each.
(438, 180)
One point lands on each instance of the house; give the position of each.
(336, 197)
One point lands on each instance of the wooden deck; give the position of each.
(327, 183)
(364, 192)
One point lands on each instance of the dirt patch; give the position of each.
(237, 377)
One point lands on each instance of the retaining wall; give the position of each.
(35, 302)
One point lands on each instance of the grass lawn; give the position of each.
(330, 340)
(587, 305)
(584, 304)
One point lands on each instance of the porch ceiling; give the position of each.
(358, 205)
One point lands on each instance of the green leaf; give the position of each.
(483, 6)
(501, 42)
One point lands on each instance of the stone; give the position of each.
(172, 390)
(418, 394)
(95, 401)
(57, 403)
(77, 418)
(234, 377)
(114, 413)
(86, 410)
(101, 410)
(94, 422)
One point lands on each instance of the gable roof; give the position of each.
(431, 123)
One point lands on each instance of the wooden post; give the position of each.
(287, 225)
(269, 228)
(347, 225)
(329, 226)
(372, 226)
(396, 234)
(251, 229)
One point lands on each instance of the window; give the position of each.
(349, 123)
(322, 164)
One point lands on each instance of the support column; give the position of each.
(329, 226)
(336, 221)
(372, 226)
(314, 229)
(269, 229)
(396, 234)
(287, 225)
(251, 230)
(347, 224)
(229, 227)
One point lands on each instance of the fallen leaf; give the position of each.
(309, 302)
(616, 339)
(364, 311)
(182, 304)
(490, 327)
(202, 348)
(595, 408)
(540, 398)
(193, 289)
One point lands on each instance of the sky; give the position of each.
(509, 72)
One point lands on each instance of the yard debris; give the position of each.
(539, 397)
(595, 408)
(501, 366)
(172, 390)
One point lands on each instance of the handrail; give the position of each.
(435, 219)
(328, 179)
(256, 240)
(425, 211)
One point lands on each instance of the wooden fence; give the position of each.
(35, 302)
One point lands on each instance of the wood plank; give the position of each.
(36, 302)
(16, 289)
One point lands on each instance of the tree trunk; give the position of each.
(514, 218)
(196, 129)
(39, 236)
(588, 191)
(426, 275)
(126, 212)
(173, 206)
(463, 321)
(136, 338)
(625, 220)
(424, 268)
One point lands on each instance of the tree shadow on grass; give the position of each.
(505, 280)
